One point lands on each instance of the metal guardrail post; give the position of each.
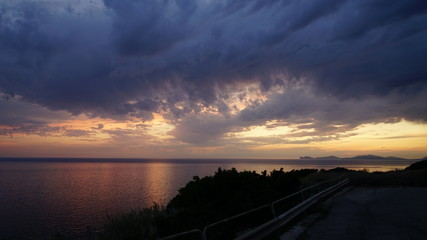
(204, 233)
(273, 211)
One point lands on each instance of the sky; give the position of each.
(213, 78)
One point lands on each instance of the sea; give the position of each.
(41, 198)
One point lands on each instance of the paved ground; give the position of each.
(373, 213)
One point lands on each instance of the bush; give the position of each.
(137, 224)
(206, 200)
(397, 178)
(228, 192)
(418, 165)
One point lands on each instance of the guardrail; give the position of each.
(235, 225)
(267, 229)
(260, 222)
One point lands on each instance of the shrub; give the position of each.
(205, 200)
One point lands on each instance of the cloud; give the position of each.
(99, 127)
(285, 139)
(121, 58)
(204, 129)
(39, 130)
(15, 113)
(77, 133)
(311, 117)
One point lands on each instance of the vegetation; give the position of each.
(206, 200)
(418, 165)
(398, 178)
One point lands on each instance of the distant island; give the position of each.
(359, 157)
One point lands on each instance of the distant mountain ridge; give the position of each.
(358, 157)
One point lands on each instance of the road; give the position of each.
(373, 213)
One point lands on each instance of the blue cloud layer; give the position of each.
(138, 57)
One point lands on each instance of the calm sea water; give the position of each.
(40, 198)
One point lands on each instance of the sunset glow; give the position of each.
(211, 79)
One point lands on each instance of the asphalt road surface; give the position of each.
(373, 213)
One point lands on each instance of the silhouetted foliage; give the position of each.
(338, 170)
(418, 165)
(138, 224)
(59, 236)
(228, 192)
(205, 200)
(397, 178)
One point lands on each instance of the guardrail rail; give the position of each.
(260, 222)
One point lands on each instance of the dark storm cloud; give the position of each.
(15, 113)
(138, 57)
(149, 27)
